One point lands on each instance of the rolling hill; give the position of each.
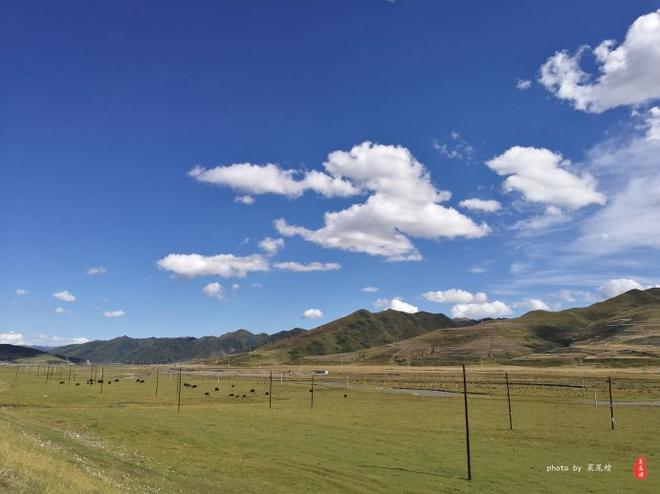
(357, 331)
(163, 350)
(24, 354)
(624, 330)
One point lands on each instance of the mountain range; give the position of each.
(624, 330)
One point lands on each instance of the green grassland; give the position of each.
(76, 439)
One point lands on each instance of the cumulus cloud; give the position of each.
(523, 84)
(396, 304)
(545, 177)
(306, 268)
(615, 287)
(454, 296)
(214, 290)
(12, 338)
(96, 271)
(487, 206)
(21, 292)
(628, 73)
(247, 200)
(370, 289)
(481, 310)
(65, 296)
(532, 304)
(312, 314)
(224, 265)
(403, 203)
(271, 246)
(271, 179)
(114, 313)
(61, 310)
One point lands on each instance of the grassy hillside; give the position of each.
(619, 331)
(359, 330)
(23, 355)
(624, 330)
(163, 350)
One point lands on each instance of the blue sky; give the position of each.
(163, 141)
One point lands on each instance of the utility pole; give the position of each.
(178, 408)
(467, 426)
(508, 396)
(311, 404)
(270, 391)
(609, 384)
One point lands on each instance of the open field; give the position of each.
(390, 434)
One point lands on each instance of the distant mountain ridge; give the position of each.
(625, 328)
(163, 350)
(362, 329)
(359, 330)
(26, 354)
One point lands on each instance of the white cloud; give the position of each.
(214, 290)
(518, 268)
(272, 245)
(235, 286)
(477, 270)
(629, 74)
(403, 202)
(653, 124)
(97, 271)
(12, 338)
(224, 265)
(45, 340)
(22, 292)
(545, 177)
(65, 296)
(370, 289)
(271, 179)
(630, 220)
(523, 84)
(455, 147)
(312, 314)
(575, 295)
(551, 217)
(396, 304)
(480, 311)
(454, 296)
(306, 268)
(615, 287)
(61, 310)
(532, 304)
(114, 313)
(487, 206)
(77, 341)
(244, 199)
